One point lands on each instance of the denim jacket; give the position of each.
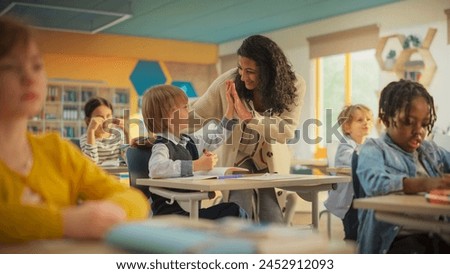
(382, 165)
(340, 199)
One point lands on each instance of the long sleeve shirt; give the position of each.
(161, 166)
(382, 166)
(104, 149)
(31, 206)
(340, 199)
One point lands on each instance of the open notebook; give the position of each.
(221, 173)
(215, 173)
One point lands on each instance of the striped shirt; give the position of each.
(105, 149)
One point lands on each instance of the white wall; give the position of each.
(406, 17)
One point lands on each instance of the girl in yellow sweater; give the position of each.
(48, 189)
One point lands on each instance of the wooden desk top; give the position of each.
(397, 203)
(115, 169)
(271, 239)
(248, 182)
(311, 162)
(340, 170)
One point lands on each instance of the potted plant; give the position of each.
(411, 41)
(390, 59)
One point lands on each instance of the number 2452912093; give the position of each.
(296, 264)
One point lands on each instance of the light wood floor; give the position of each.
(337, 230)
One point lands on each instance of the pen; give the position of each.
(233, 176)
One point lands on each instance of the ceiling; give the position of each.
(208, 21)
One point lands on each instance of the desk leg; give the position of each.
(315, 209)
(194, 209)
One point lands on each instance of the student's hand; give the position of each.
(441, 182)
(113, 123)
(239, 107)
(95, 123)
(91, 220)
(425, 184)
(206, 162)
(119, 122)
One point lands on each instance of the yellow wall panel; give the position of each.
(127, 47)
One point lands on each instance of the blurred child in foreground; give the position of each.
(49, 189)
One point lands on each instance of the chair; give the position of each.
(137, 159)
(331, 155)
(76, 142)
(357, 188)
(358, 192)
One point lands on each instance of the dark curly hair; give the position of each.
(275, 74)
(397, 96)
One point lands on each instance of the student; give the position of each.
(165, 113)
(48, 189)
(268, 95)
(356, 123)
(401, 160)
(105, 134)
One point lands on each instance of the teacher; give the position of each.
(268, 97)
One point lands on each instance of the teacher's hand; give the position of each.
(239, 107)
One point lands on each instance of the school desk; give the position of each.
(115, 170)
(127, 237)
(312, 184)
(339, 170)
(318, 164)
(412, 211)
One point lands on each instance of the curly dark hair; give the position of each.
(397, 96)
(275, 73)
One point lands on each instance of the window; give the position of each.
(343, 79)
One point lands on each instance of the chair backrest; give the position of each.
(357, 188)
(76, 142)
(137, 159)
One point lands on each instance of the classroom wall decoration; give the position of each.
(145, 75)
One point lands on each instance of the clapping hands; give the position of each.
(235, 104)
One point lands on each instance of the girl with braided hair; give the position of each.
(401, 160)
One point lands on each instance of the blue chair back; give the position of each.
(137, 160)
(358, 190)
(76, 142)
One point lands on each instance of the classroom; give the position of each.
(344, 56)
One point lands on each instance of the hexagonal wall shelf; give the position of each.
(386, 45)
(417, 64)
(186, 87)
(421, 69)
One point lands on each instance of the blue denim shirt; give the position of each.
(340, 199)
(382, 165)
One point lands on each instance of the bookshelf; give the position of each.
(417, 64)
(388, 44)
(412, 63)
(63, 111)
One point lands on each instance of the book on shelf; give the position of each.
(438, 196)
